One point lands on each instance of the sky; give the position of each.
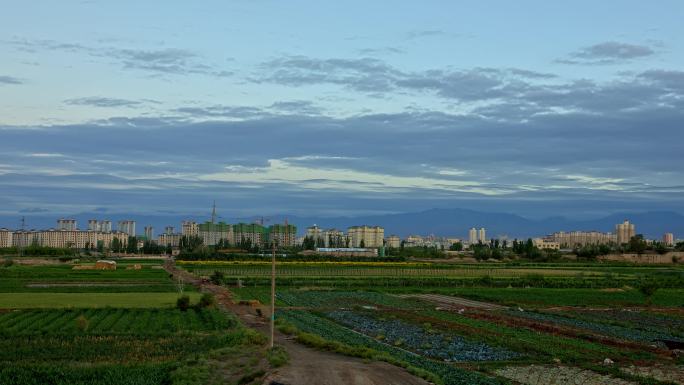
(341, 108)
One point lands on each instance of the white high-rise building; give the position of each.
(149, 233)
(100, 226)
(472, 236)
(482, 235)
(127, 227)
(624, 232)
(66, 224)
(668, 239)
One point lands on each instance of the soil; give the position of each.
(306, 366)
(454, 303)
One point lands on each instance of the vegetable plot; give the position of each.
(422, 340)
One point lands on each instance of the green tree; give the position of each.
(116, 245)
(132, 245)
(648, 289)
(637, 244)
(458, 246)
(183, 303)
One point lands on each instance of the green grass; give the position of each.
(538, 297)
(87, 300)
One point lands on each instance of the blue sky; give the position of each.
(327, 108)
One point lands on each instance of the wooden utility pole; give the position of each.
(273, 261)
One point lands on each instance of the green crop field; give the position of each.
(60, 326)
(98, 300)
(108, 346)
(578, 320)
(63, 278)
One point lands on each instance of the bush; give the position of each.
(648, 289)
(183, 303)
(82, 323)
(207, 301)
(7, 262)
(277, 356)
(216, 278)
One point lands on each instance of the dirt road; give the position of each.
(306, 366)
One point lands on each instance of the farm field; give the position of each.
(110, 346)
(85, 300)
(93, 333)
(510, 335)
(63, 278)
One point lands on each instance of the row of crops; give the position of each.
(422, 340)
(108, 346)
(492, 342)
(62, 278)
(328, 270)
(647, 335)
(450, 374)
(111, 321)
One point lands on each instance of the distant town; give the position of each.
(361, 240)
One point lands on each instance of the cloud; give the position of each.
(174, 61)
(303, 107)
(374, 76)
(169, 60)
(33, 210)
(424, 33)
(313, 162)
(608, 53)
(98, 101)
(10, 80)
(381, 51)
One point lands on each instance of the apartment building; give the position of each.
(368, 236)
(213, 233)
(581, 238)
(393, 241)
(6, 237)
(624, 232)
(282, 235)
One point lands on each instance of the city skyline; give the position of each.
(127, 107)
(586, 233)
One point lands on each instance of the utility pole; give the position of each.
(23, 230)
(273, 261)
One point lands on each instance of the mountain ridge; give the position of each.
(452, 222)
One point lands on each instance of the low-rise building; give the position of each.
(581, 238)
(541, 243)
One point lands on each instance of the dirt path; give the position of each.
(306, 366)
(449, 302)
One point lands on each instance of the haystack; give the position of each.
(104, 264)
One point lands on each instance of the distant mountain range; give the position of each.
(441, 222)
